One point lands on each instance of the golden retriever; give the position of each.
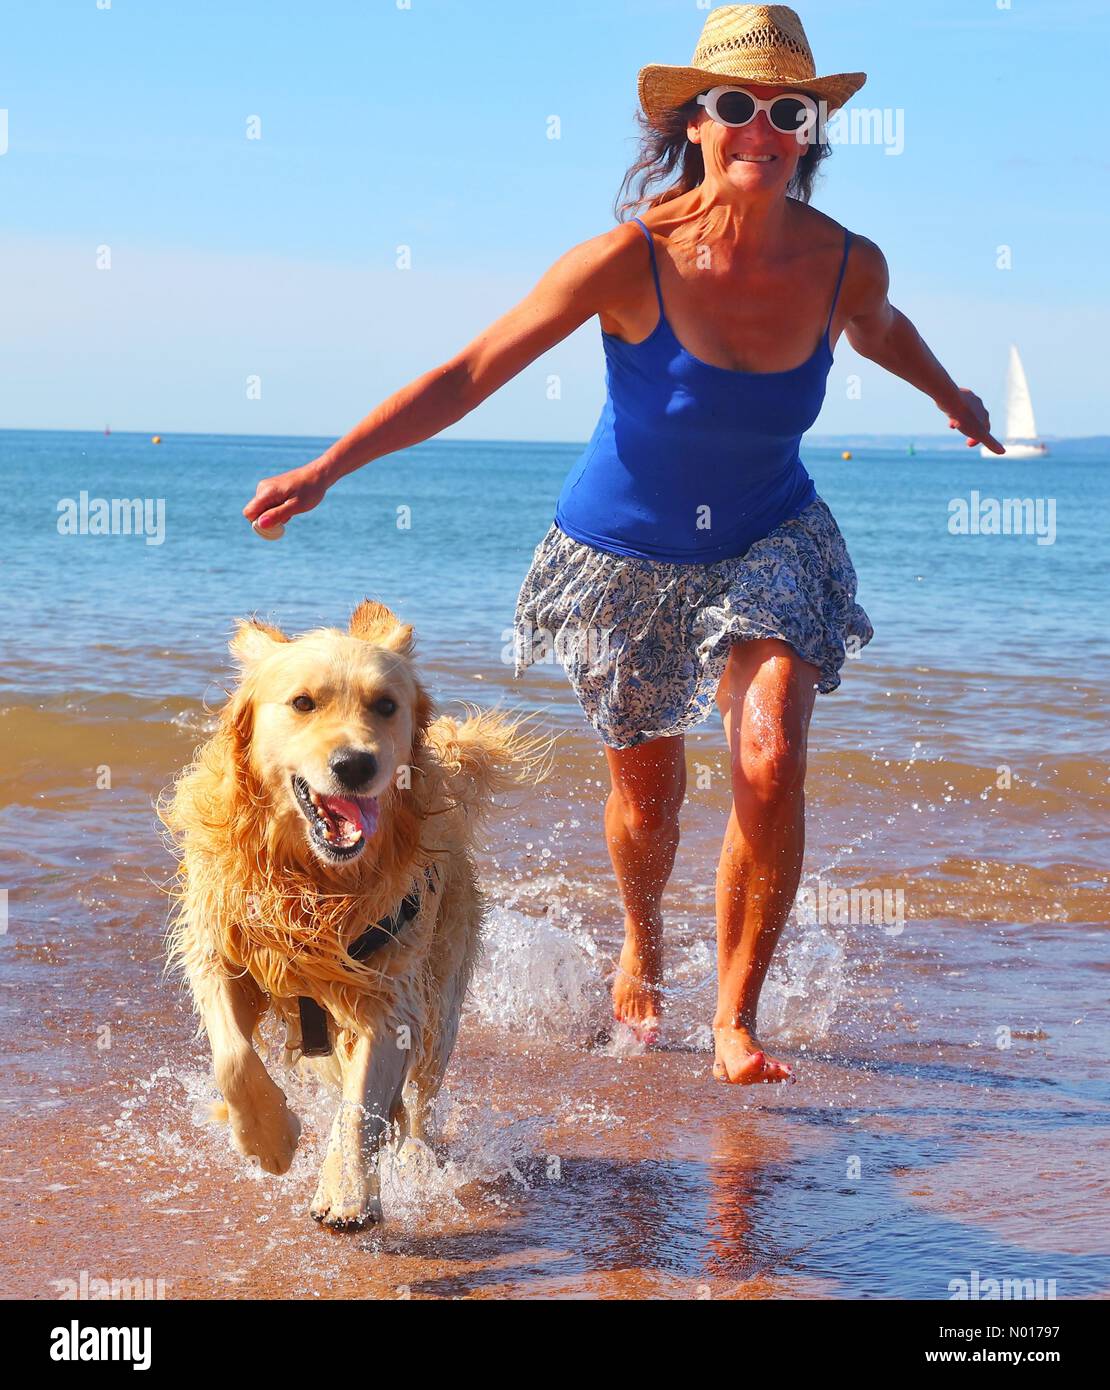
(325, 838)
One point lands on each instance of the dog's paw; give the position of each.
(347, 1195)
(266, 1133)
(416, 1157)
(353, 1214)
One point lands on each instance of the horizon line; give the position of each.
(224, 434)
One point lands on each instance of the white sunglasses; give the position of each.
(792, 113)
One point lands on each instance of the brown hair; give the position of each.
(665, 146)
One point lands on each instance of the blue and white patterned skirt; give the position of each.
(645, 643)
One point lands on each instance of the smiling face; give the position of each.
(332, 719)
(754, 158)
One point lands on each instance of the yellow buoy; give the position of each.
(847, 454)
(156, 439)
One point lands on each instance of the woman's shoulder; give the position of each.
(607, 271)
(814, 230)
(820, 231)
(866, 277)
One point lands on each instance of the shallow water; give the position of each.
(952, 1108)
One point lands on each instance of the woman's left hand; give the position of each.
(969, 415)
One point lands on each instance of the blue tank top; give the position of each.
(692, 463)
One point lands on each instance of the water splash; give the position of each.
(540, 977)
(807, 981)
(480, 1156)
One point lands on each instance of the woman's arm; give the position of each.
(568, 293)
(879, 331)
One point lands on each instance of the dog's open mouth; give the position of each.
(339, 826)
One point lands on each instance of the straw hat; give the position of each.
(753, 43)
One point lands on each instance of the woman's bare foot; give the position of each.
(741, 1061)
(637, 989)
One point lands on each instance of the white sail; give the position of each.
(1019, 406)
(1020, 440)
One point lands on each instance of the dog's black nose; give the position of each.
(352, 768)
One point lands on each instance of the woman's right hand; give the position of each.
(275, 500)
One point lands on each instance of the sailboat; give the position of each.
(1021, 429)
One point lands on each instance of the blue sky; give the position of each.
(426, 126)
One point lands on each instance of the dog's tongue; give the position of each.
(360, 812)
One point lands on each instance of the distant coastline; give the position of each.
(1093, 443)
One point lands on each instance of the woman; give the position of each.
(690, 558)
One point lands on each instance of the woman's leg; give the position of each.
(641, 830)
(766, 698)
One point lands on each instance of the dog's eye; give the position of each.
(303, 703)
(385, 705)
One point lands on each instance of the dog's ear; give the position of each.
(374, 622)
(253, 640)
(423, 713)
(237, 720)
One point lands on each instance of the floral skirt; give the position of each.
(645, 643)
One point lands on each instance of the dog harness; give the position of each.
(315, 1041)
(689, 462)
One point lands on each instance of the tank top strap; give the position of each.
(654, 267)
(839, 278)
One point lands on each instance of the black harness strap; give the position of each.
(314, 1021)
(314, 1028)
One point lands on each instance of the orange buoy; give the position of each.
(156, 439)
(847, 454)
